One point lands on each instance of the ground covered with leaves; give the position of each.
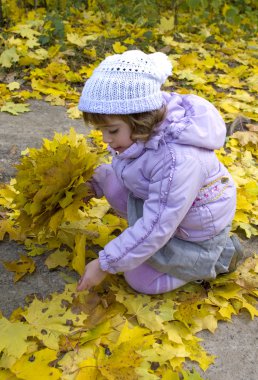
(113, 332)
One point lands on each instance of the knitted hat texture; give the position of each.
(126, 83)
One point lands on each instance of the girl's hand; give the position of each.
(89, 192)
(93, 275)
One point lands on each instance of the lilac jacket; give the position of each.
(187, 192)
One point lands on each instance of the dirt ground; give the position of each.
(235, 344)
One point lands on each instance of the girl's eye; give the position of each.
(113, 132)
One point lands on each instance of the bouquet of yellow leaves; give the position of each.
(49, 199)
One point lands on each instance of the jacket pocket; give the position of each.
(197, 224)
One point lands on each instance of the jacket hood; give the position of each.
(190, 120)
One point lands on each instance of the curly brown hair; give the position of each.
(142, 124)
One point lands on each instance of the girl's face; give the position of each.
(116, 133)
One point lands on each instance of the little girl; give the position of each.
(178, 198)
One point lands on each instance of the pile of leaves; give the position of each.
(48, 205)
(117, 333)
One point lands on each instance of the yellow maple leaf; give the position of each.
(151, 314)
(227, 291)
(129, 41)
(25, 30)
(81, 41)
(58, 258)
(52, 318)
(177, 331)
(166, 24)
(9, 227)
(247, 137)
(76, 39)
(226, 81)
(166, 352)
(187, 60)
(14, 86)
(241, 216)
(55, 220)
(78, 262)
(103, 234)
(32, 42)
(197, 353)
(251, 188)
(226, 312)
(194, 77)
(242, 96)
(204, 322)
(73, 360)
(67, 199)
(250, 308)
(20, 267)
(99, 209)
(53, 50)
(119, 48)
(90, 53)
(82, 227)
(226, 106)
(37, 363)
(34, 250)
(252, 127)
(28, 60)
(74, 112)
(38, 54)
(88, 70)
(15, 108)
(8, 57)
(47, 87)
(55, 100)
(5, 374)
(88, 370)
(99, 331)
(129, 333)
(14, 337)
(73, 77)
(247, 227)
(242, 202)
(126, 355)
(24, 94)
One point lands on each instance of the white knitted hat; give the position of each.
(126, 83)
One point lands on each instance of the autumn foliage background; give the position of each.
(47, 51)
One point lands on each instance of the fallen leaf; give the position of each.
(20, 267)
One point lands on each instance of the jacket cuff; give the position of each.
(103, 262)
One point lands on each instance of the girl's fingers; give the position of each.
(82, 284)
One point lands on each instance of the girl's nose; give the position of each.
(106, 137)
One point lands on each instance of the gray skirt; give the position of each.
(186, 260)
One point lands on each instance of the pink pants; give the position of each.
(147, 280)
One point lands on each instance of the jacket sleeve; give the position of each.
(172, 191)
(105, 183)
